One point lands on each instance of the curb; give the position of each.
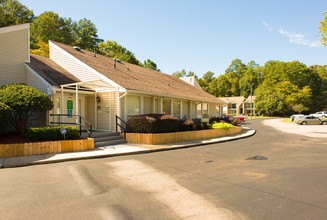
(248, 133)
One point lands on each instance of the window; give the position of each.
(200, 110)
(133, 105)
(167, 106)
(176, 108)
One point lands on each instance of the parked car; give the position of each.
(293, 117)
(310, 120)
(322, 114)
(241, 117)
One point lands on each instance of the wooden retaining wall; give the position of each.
(45, 147)
(165, 138)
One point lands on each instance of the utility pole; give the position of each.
(251, 104)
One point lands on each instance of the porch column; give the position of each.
(171, 107)
(201, 108)
(125, 108)
(243, 108)
(154, 104)
(118, 106)
(142, 104)
(95, 111)
(62, 101)
(190, 110)
(181, 109)
(76, 103)
(161, 105)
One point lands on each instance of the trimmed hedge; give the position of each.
(187, 125)
(160, 123)
(222, 125)
(152, 123)
(5, 113)
(52, 133)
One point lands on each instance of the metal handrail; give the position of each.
(124, 129)
(89, 131)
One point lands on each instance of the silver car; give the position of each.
(310, 120)
(322, 114)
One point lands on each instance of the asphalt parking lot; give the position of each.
(317, 131)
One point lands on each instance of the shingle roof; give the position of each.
(249, 99)
(51, 72)
(139, 79)
(234, 99)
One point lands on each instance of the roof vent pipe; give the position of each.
(94, 52)
(115, 62)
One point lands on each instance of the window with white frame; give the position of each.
(133, 105)
(176, 108)
(167, 106)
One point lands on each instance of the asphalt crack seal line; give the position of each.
(88, 185)
(185, 204)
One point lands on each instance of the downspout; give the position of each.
(62, 100)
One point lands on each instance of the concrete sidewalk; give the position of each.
(121, 149)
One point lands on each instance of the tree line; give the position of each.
(280, 88)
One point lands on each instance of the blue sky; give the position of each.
(204, 35)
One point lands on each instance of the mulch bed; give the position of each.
(12, 138)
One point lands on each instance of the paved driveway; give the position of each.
(317, 131)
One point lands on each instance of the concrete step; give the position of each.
(109, 143)
(100, 134)
(107, 138)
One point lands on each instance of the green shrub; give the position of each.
(23, 100)
(5, 113)
(152, 123)
(235, 121)
(222, 125)
(52, 133)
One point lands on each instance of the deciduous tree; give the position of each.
(115, 50)
(323, 29)
(23, 100)
(12, 12)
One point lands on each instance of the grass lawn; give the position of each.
(287, 120)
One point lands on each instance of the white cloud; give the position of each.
(295, 38)
(265, 23)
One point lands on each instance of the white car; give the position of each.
(293, 117)
(322, 114)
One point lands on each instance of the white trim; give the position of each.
(56, 89)
(29, 43)
(101, 77)
(14, 28)
(42, 79)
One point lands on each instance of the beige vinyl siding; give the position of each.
(14, 53)
(103, 111)
(186, 109)
(107, 111)
(148, 105)
(71, 64)
(212, 110)
(37, 82)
